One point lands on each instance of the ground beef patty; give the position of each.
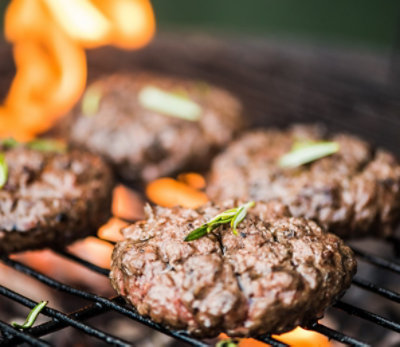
(143, 144)
(51, 198)
(355, 192)
(279, 272)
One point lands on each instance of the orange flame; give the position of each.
(297, 337)
(49, 38)
(168, 192)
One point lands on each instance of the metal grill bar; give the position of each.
(354, 310)
(386, 293)
(378, 261)
(109, 304)
(106, 302)
(271, 341)
(103, 271)
(54, 325)
(372, 317)
(84, 262)
(265, 339)
(102, 305)
(337, 336)
(64, 318)
(351, 309)
(22, 335)
(105, 240)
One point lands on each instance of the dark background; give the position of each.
(371, 23)
(368, 23)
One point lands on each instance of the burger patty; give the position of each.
(143, 144)
(354, 192)
(279, 272)
(52, 198)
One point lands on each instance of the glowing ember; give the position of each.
(49, 38)
(112, 230)
(298, 337)
(64, 270)
(168, 192)
(93, 250)
(127, 204)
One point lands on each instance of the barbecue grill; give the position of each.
(279, 85)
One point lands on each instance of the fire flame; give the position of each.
(49, 38)
(297, 337)
(185, 192)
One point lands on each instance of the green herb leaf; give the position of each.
(3, 170)
(31, 316)
(91, 100)
(9, 143)
(224, 216)
(226, 343)
(240, 215)
(197, 233)
(303, 153)
(170, 104)
(47, 145)
(302, 144)
(233, 216)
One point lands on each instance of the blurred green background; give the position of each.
(373, 23)
(370, 23)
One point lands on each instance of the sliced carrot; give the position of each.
(168, 192)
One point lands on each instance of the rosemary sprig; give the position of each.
(233, 216)
(31, 316)
(91, 100)
(3, 170)
(43, 145)
(304, 152)
(227, 343)
(169, 104)
(47, 145)
(9, 142)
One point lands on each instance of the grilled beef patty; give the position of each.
(278, 273)
(142, 144)
(51, 199)
(355, 192)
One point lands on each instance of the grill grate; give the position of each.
(98, 305)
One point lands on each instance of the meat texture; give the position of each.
(143, 144)
(354, 192)
(279, 272)
(52, 198)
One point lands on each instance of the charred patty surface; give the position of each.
(355, 192)
(51, 199)
(279, 272)
(143, 144)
